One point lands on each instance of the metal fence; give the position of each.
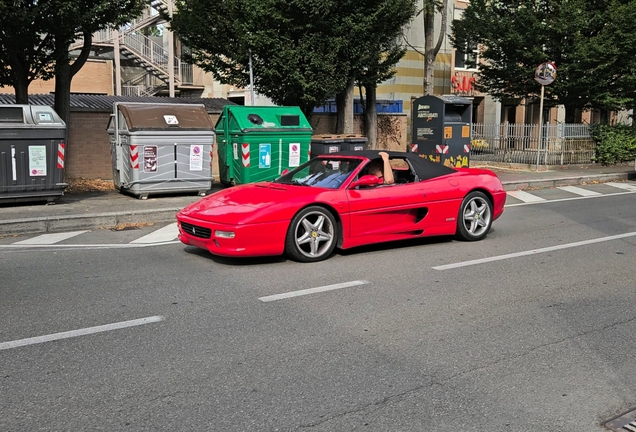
(561, 144)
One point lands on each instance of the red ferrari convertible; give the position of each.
(331, 201)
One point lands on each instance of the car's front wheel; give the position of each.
(475, 217)
(312, 235)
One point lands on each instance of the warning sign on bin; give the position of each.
(294, 155)
(37, 160)
(264, 155)
(196, 158)
(150, 159)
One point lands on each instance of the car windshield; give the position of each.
(327, 173)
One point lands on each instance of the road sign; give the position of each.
(545, 73)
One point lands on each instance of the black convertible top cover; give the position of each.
(424, 168)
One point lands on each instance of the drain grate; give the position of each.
(622, 423)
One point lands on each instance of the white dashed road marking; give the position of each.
(579, 191)
(49, 239)
(80, 332)
(532, 252)
(624, 186)
(312, 291)
(525, 196)
(165, 234)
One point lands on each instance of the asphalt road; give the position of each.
(538, 335)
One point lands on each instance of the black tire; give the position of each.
(475, 217)
(312, 235)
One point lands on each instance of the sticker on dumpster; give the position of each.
(235, 148)
(171, 120)
(294, 155)
(37, 161)
(150, 159)
(465, 131)
(448, 132)
(196, 158)
(264, 155)
(45, 117)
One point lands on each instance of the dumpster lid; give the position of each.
(268, 118)
(457, 100)
(182, 117)
(29, 116)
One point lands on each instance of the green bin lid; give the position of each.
(267, 118)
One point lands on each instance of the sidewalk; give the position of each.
(109, 209)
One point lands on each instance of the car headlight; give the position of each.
(224, 234)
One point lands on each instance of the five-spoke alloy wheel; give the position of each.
(475, 217)
(312, 235)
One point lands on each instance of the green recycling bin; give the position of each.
(258, 143)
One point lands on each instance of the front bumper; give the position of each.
(261, 239)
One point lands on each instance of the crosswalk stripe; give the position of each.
(167, 233)
(49, 239)
(525, 196)
(579, 191)
(624, 186)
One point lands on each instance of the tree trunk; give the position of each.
(431, 49)
(21, 88)
(371, 118)
(20, 81)
(64, 73)
(429, 57)
(63, 91)
(344, 107)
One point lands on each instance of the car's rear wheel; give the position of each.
(475, 217)
(312, 235)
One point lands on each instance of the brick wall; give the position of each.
(88, 150)
(325, 123)
(96, 76)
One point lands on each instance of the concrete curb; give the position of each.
(85, 221)
(564, 181)
(112, 219)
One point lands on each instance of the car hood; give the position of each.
(258, 202)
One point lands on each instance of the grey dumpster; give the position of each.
(32, 153)
(323, 144)
(161, 148)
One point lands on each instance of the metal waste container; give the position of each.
(354, 142)
(442, 129)
(161, 148)
(32, 153)
(257, 143)
(325, 144)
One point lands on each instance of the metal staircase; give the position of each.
(143, 52)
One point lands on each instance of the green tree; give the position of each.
(35, 37)
(577, 35)
(428, 11)
(24, 48)
(303, 51)
(378, 49)
(70, 19)
(292, 45)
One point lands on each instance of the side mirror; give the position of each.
(367, 180)
(284, 172)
